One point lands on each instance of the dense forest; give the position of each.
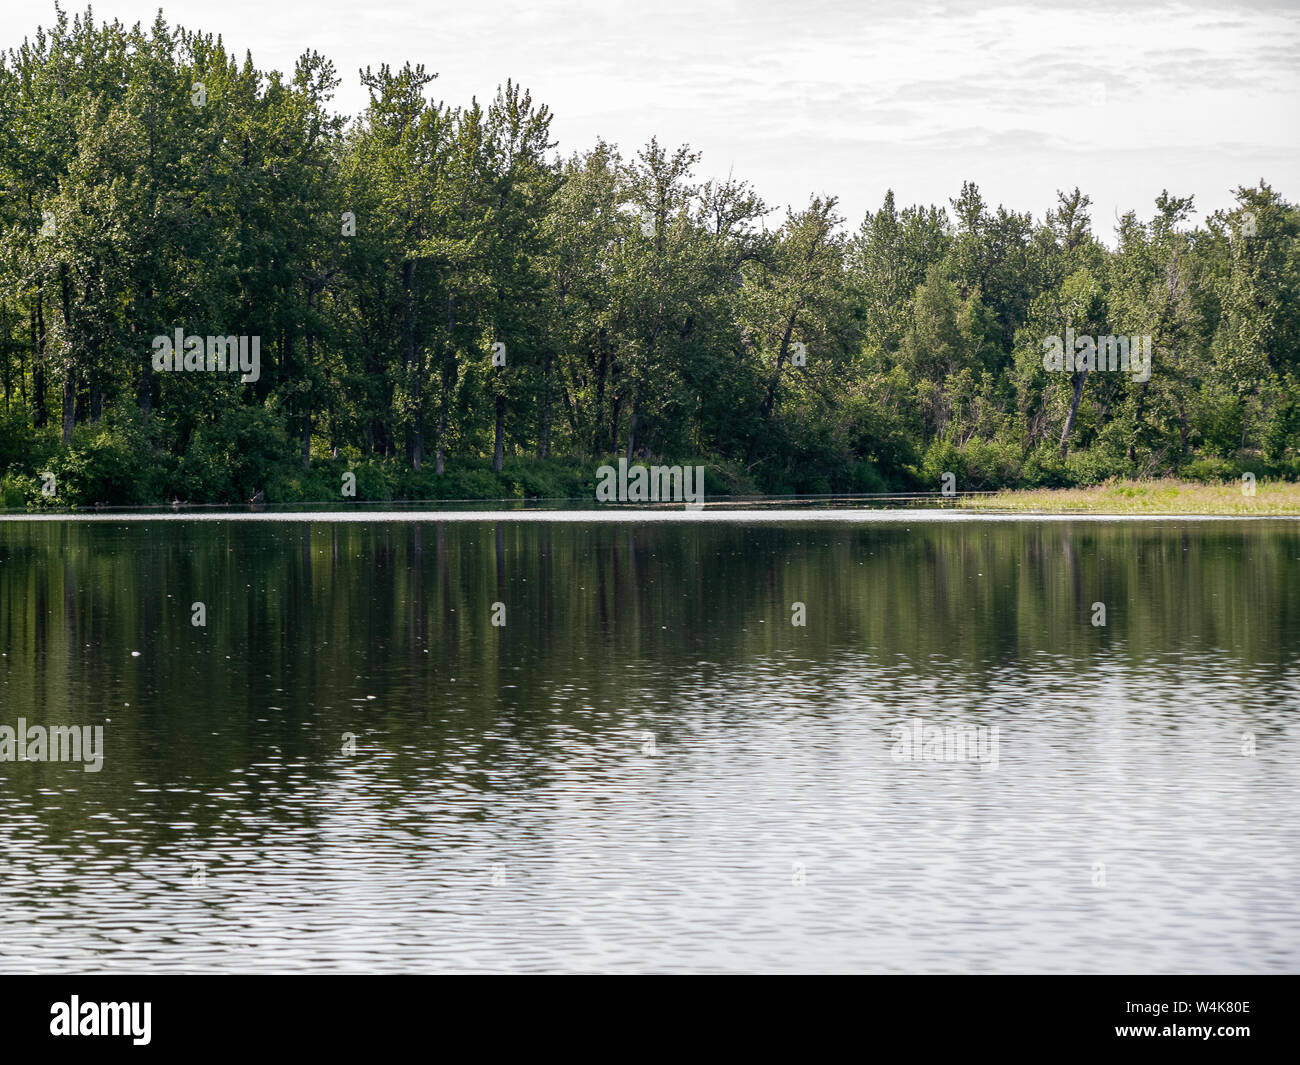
(447, 306)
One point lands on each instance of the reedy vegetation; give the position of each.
(151, 180)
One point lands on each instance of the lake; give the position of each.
(778, 741)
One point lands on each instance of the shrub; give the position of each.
(534, 478)
(17, 439)
(1209, 469)
(20, 491)
(107, 466)
(242, 453)
(1097, 464)
(1044, 468)
(981, 465)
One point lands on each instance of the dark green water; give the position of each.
(648, 766)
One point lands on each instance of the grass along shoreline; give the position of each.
(1162, 497)
(1165, 496)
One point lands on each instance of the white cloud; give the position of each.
(832, 96)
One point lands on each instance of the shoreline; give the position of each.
(1124, 500)
(847, 516)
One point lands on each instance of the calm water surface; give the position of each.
(649, 767)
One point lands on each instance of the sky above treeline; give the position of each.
(840, 97)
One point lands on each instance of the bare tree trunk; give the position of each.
(1137, 422)
(448, 382)
(631, 432)
(305, 431)
(144, 386)
(69, 404)
(1079, 377)
(769, 401)
(40, 414)
(414, 437)
(602, 369)
(544, 429)
(69, 371)
(499, 445)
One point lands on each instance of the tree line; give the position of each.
(449, 307)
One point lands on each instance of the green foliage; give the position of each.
(19, 442)
(1044, 468)
(636, 308)
(532, 478)
(230, 461)
(978, 465)
(1209, 470)
(1097, 465)
(19, 491)
(101, 467)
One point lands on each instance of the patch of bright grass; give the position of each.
(1167, 496)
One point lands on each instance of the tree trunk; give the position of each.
(69, 404)
(307, 411)
(448, 382)
(769, 402)
(602, 369)
(1079, 377)
(414, 437)
(144, 387)
(499, 446)
(69, 368)
(39, 412)
(1137, 422)
(544, 429)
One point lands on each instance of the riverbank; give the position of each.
(1165, 496)
(553, 485)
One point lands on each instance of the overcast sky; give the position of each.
(834, 97)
